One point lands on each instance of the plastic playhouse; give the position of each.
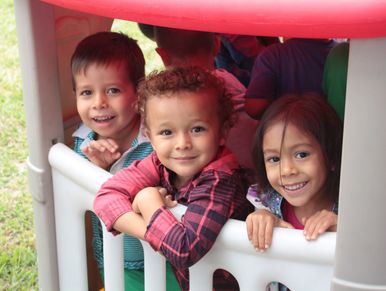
(353, 259)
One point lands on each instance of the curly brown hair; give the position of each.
(187, 79)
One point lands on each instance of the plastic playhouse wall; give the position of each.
(63, 185)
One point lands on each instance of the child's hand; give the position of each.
(102, 153)
(260, 226)
(319, 223)
(149, 191)
(167, 198)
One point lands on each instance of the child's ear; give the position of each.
(147, 133)
(164, 56)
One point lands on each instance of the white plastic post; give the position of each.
(361, 240)
(113, 261)
(36, 36)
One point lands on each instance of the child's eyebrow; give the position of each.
(270, 152)
(291, 148)
(301, 145)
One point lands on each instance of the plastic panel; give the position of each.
(289, 256)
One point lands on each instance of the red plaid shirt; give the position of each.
(212, 197)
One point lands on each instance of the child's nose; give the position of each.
(183, 141)
(287, 167)
(100, 101)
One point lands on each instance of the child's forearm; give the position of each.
(131, 223)
(147, 202)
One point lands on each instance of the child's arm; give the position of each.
(260, 226)
(184, 243)
(319, 223)
(114, 198)
(134, 223)
(102, 153)
(260, 223)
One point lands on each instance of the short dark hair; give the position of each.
(182, 43)
(188, 79)
(311, 114)
(104, 48)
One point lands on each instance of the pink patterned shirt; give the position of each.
(216, 194)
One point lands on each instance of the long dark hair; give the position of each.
(311, 114)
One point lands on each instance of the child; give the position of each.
(106, 68)
(238, 53)
(187, 115)
(179, 48)
(292, 67)
(297, 156)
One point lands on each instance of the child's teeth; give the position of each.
(294, 187)
(103, 118)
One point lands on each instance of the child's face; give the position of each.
(185, 131)
(105, 98)
(295, 166)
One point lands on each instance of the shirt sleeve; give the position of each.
(255, 198)
(184, 243)
(115, 196)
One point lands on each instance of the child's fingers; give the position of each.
(162, 191)
(112, 145)
(310, 226)
(268, 234)
(167, 198)
(258, 236)
(97, 145)
(311, 231)
(261, 236)
(319, 223)
(260, 226)
(265, 233)
(170, 203)
(104, 144)
(249, 224)
(256, 230)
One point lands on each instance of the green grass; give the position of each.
(18, 265)
(153, 61)
(17, 240)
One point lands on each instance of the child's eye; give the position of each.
(85, 93)
(165, 132)
(302, 155)
(112, 91)
(273, 159)
(198, 129)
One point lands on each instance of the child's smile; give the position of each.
(295, 187)
(295, 165)
(105, 99)
(185, 131)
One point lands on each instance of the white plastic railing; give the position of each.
(299, 264)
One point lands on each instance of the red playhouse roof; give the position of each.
(300, 18)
